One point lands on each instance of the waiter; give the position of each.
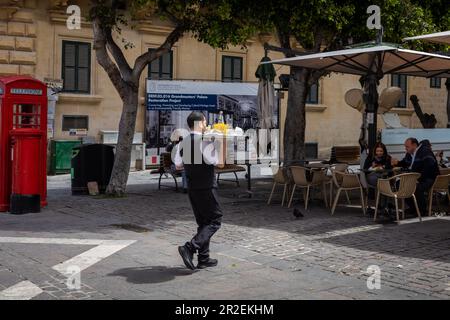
(199, 158)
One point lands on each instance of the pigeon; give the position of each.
(297, 213)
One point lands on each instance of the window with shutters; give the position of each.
(232, 69)
(161, 68)
(76, 67)
(401, 81)
(435, 83)
(313, 96)
(75, 122)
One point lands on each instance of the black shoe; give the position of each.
(207, 263)
(187, 257)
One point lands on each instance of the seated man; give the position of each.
(419, 158)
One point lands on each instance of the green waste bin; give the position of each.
(61, 156)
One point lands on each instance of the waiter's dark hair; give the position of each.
(194, 117)
(413, 141)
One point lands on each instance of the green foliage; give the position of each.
(216, 22)
(400, 19)
(335, 24)
(330, 23)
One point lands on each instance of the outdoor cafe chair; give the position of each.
(407, 184)
(299, 176)
(340, 167)
(280, 178)
(347, 182)
(440, 185)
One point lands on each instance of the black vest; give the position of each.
(199, 174)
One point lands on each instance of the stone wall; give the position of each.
(17, 38)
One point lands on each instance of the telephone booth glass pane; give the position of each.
(26, 116)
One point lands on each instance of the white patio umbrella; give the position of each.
(441, 38)
(438, 37)
(266, 102)
(373, 62)
(377, 59)
(266, 94)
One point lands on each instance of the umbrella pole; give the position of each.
(371, 100)
(447, 84)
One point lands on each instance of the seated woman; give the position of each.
(376, 161)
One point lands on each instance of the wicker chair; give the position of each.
(339, 167)
(406, 189)
(440, 185)
(280, 178)
(301, 181)
(347, 182)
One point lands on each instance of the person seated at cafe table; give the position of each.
(376, 166)
(419, 158)
(377, 163)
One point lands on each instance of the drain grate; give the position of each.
(131, 227)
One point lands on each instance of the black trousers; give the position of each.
(421, 189)
(208, 214)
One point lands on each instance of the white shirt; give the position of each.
(414, 157)
(208, 152)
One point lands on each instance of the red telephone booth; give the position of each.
(23, 144)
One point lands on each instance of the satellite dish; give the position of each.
(387, 100)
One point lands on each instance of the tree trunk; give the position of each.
(295, 124)
(447, 84)
(119, 177)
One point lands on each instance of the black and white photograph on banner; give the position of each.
(169, 104)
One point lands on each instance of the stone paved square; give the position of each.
(129, 249)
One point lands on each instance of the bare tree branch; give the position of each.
(315, 76)
(118, 56)
(143, 60)
(103, 58)
(285, 42)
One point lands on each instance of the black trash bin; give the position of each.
(91, 163)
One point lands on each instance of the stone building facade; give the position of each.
(33, 35)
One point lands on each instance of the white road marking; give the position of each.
(27, 290)
(24, 290)
(92, 242)
(90, 257)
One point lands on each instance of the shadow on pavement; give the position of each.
(156, 274)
